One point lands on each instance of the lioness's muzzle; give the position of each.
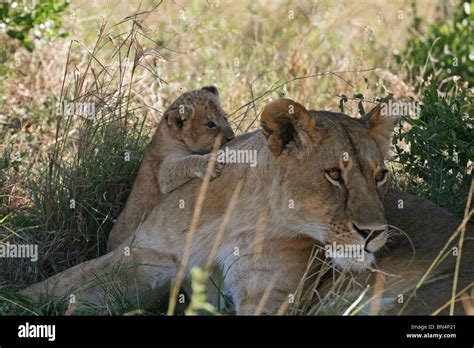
(374, 239)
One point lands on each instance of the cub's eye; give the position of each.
(380, 176)
(334, 174)
(211, 125)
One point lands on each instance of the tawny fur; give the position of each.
(178, 152)
(292, 169)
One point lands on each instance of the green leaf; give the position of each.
(342, 101)
(361, 108)
(3, 11)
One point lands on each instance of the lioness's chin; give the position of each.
(354, 264)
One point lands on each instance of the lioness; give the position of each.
(178, 152)
(319, 175)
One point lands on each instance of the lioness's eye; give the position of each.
(211, 125)
(380, 176)
(334, 174)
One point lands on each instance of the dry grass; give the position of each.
(132, 66)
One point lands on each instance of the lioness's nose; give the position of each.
(369, 232)
(375, 236)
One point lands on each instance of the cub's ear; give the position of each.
(176, 117)
(380, 125)
(212, 89)
(287, 125)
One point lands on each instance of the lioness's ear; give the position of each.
(286, 123)
(380, 127)
(176, 117)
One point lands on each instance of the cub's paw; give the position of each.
(216, 171)
(218, 166)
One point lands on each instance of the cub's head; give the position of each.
(331, 176)
(197, 119)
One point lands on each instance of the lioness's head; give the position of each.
(331, 177)
(196, 118)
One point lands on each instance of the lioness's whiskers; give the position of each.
(400, 231)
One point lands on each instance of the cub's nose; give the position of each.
(229, 135)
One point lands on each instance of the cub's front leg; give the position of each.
(174, 173)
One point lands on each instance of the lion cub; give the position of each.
(178, 152)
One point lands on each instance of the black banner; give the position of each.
(218, 330)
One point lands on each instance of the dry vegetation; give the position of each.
(131, 59)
